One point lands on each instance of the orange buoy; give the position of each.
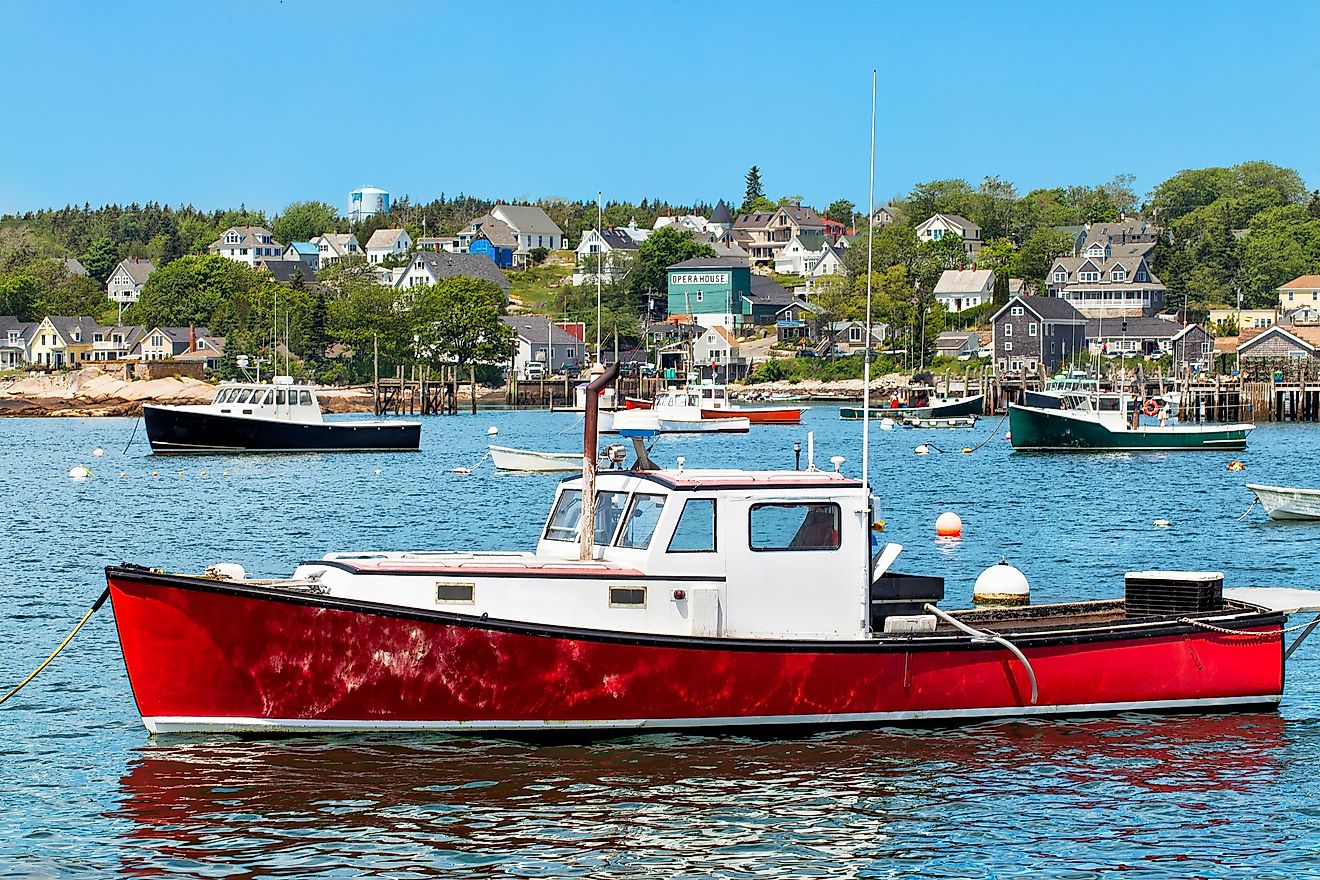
(949, 525)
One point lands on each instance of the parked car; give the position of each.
(533, 370)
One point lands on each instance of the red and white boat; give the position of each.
(676, 411)
(715, 404)
(699, 599)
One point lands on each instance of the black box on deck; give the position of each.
(1159, 593)
(895, 594)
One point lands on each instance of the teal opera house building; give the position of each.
(713, 290)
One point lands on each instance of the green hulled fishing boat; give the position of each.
(1087, 423)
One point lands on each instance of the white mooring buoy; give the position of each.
(78, 472)
(492, 431)
(1001, 584)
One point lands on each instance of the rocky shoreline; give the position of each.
(92, 391)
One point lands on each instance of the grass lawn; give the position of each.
(536, 289)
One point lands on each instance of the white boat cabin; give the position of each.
(282, 400)
(710, 553)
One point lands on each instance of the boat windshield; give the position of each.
(639, 525)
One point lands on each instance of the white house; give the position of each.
(716, 346)
(940, 225)
(688, 222)
(962, 289)
(305, 252)
(335, 246)
(534, 335)
(531, 228)
(125, 283)
(801, 254)
(388, 243)
(427, 267)
(611, 249)
(830, 263)
(247, 244)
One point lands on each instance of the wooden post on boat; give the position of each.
(591, 419)
(375, 374)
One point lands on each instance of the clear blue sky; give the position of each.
(275, 102)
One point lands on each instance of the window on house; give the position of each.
(1031, 329)
(1060, 277)
(1031, 365)
(936, 234)
(1008, 346)
(1008, 329)
(1088, 276)
(1015, 311)
(698, 297)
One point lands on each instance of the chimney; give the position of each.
(192, 338)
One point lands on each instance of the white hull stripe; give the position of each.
(197, 724)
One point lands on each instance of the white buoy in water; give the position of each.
(98, 452)
(492, 431)
(923, 449)
(1008, 435)
(378, 472)
(1162, 523)
(78, 472)
(886, 424)
(1001, 584)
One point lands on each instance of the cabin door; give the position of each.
(787, 571)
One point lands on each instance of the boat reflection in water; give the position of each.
(1103, 791)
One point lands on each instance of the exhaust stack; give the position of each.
(591, 419)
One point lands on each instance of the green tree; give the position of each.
(755, 190)
(998, 255)
(18, 297)
(317, 336)
(208, 290)
(841, 211)
(662, 249)
(457, 321)
(303, 221)
(1039, 252)
(101, 259)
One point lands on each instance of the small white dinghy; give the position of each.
(1285, 502)
(508, 459)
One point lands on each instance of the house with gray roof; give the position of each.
(962, 289)
(1131, 236)
(388, 243)
(611, 250)
(425, 268)
(961, 344)
(1107, 287)
(335, 246)
(287, 272)
(73, 267)
(247, 244)
(801, 254)
(13, 342)
(1138, 336)
(934, 228)
(528, 227)
(765, 234)
(541, 339)
(163, 343)
(1031, 331)
(125, 283)
(720, 219)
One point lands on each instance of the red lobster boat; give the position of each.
(715, 404)
(700, 599)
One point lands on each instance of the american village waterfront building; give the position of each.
(715, 291)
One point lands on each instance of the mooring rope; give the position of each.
(105, 594)
(1254, 502)
(132, 435)
(992, 435)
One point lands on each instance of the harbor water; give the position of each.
(87, 792)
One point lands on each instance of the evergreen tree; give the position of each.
(754, 188)
(317, 336)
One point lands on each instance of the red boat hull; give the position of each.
(757, 415)
(209, 655)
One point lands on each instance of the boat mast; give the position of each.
(866, 359)
(600, 251)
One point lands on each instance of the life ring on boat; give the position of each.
(1151, 407)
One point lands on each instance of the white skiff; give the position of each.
(1285, 502)
(508, 459)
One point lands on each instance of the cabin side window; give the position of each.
(695, 532)
(784, 526)
(268, 399)
(564, 519)
(305, 398)
(639, 524)
(244, 395)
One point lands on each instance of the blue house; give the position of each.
(503, 256)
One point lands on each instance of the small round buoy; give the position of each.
(181, 473)
(155, 474)
(1001, 584)
(1236, 465)
(123, 474)
(492, 431)
(377, 472)
(923, 449)
(78, 472)
(967, 450)
(1162, 523)
(886, 424)
(201, 473)
(949, 525)
(1008, 435)
(98, 452)
(224, 473)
